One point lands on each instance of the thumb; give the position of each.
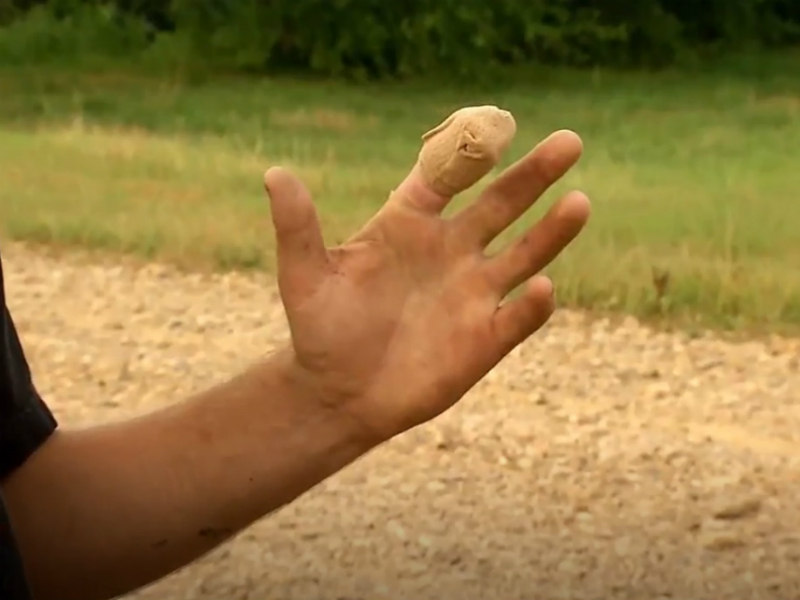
(302, 256)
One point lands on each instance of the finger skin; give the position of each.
(516, 320)
(518, 187)
(540, 245)
(302, 256)
(414, 193)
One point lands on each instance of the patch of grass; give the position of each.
(693, 176)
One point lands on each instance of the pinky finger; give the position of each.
(517, 319)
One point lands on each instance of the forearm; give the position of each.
(105, 510)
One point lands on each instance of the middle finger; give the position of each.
(516, 189)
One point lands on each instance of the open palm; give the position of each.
(396, 324)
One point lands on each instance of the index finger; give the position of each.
(455, 155)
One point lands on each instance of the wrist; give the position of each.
(292, 394)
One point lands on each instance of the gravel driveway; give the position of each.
(598, 461)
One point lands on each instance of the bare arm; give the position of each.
(388, 330)
(103, 511)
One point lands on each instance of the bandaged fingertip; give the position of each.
(463, 148)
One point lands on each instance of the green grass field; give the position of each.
(696, 175)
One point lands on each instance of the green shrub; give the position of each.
(380, 38)
(85, 32)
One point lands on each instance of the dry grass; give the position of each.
(694, 180)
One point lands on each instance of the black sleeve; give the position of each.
(13, 584)
(25, 423)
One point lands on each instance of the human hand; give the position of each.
(395, 325)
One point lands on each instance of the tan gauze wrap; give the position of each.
(464, 148)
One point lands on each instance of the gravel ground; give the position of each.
(597, 461)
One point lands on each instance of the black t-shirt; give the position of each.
(25, 423)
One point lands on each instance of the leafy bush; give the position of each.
(84, 32)
(379, 38)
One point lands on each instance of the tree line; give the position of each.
(388, 38)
